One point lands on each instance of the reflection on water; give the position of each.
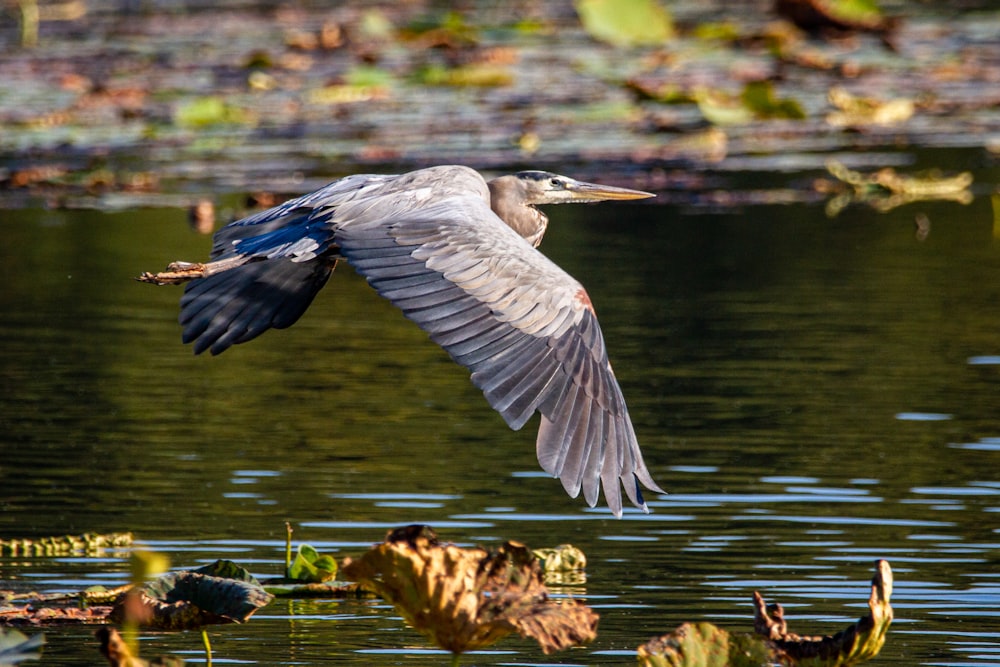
(814, 395)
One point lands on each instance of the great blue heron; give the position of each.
(457, 255)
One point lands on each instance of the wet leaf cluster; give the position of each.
(461, 598)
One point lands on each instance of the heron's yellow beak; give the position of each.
(588, 192)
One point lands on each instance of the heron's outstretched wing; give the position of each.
(281, 258)
(522, 325)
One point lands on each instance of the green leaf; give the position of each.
(703, 645)
(188, 600)
(854, 12)
(368, 75)
(310, 566)
(205, 111)
(759, 97)
(757, 101)
(230, 600)
(562, 558)
(227, 569)
(16, 647)
(626, 23)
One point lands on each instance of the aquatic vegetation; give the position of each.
(211, 110)
(221, 592)
(64, 545)
(464, 599)
(860, 112)
(887, 189)
(625, 23)
(840, 15)
(703, 644)
(563, 558)
(311, 566)
(757, 101)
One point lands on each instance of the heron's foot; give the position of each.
(175, 274)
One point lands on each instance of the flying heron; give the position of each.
(457, 255)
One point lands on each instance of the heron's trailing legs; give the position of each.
(181, 272)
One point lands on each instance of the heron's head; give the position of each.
(543, 187)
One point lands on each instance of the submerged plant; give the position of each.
(464, 599)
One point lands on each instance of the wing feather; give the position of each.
(518, 322)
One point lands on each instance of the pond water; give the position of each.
(814, 393)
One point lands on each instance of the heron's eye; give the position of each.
(556, 183)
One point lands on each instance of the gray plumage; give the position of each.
(457, 255)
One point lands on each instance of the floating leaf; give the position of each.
(471, 75)
(16, 647)
(205, 111)
(757, 101)
(835, 14)
(310, 566)
(449, 30)
(40, 615)
(227, 569)
(856, 111)
(188, 600)
(562, 558)
(626, 23)
(759, 97)
(464, 599)
(705, 645)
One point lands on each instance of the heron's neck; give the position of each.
(524, 219)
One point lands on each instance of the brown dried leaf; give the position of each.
(53, 615)
(464, 599)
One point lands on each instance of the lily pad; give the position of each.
(834, 14)
(189, 600)
(757, 101)
(626, 23)
(207, 111)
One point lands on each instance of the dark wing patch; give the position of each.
(288, 257)
(517, 322)
(238, 305)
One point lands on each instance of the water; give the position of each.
(814, 394)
